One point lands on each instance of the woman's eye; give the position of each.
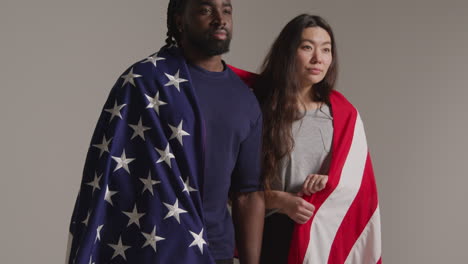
(228, 11)
(307, 47)
(327, 50)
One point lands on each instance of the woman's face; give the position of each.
(314, 56)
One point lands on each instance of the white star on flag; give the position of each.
(85, 222)
(151, 239)
(104, 146)
(175, 80)
(153, 59)
(95, 182)
(174, 211)
(148, 183)
(122, 162)
(108, 195)
(187, 187)
(129, 78)
(98, 233)
(139, 130)
(115, 111)
(178, 133)
(154, 103)
(119, 249)
(134, 216)
(198, 240)
(166, 155)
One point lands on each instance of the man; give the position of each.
(179, 132)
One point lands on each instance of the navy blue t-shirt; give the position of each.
(233, 125)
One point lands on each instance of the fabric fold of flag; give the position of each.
(139, 200)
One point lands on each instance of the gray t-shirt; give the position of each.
(313, 136)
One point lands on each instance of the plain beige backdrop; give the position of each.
(404, 64)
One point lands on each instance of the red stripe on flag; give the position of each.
(357, 217)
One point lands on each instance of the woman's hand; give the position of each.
(313, 183)
(298, 209)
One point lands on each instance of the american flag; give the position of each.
(345, 227)
(139, 200)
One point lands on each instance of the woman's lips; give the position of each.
(315, 71)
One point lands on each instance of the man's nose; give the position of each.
(219, 18)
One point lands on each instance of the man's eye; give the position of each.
(205, 11)
(228, 11)
(306, 47)
(327, 50)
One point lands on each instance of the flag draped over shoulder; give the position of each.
(139, 200)
(345, 227)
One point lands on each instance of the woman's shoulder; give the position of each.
(338, 100)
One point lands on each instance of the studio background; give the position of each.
(403, 64)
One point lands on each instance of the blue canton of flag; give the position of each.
(140, 200)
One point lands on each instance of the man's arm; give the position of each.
(248, 213)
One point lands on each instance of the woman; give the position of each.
(295, 91)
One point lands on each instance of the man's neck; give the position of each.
(209, 63)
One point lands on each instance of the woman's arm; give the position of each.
(290, 204)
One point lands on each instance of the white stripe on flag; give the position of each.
(330, 215)
(367, 249)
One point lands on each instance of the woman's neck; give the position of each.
(306, 99)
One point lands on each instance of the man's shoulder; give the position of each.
(243, 87)
(247, 77)
(148, 73)
(247, 100)
(148, 66)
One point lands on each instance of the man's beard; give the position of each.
(208, 46)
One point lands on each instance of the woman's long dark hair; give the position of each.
(277, 90)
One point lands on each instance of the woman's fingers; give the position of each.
(308, 207)
(304, 216)
(308, 185)
(317, 183)
(298, 209)
(301, 219)
(313, 183)
(320, 184)
(304, 212)
(305, 186)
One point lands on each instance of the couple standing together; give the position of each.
(182, 135)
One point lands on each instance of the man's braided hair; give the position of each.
(173, 34)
